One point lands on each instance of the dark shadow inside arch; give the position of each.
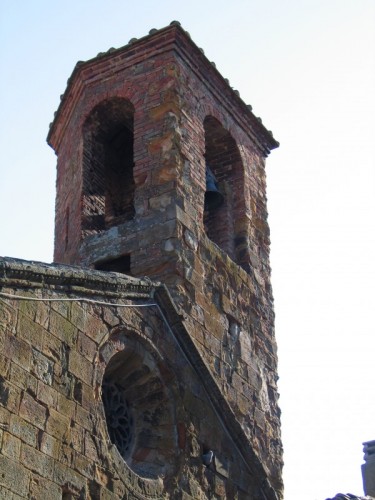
(139, 412)
(108, 162)
(223, 223)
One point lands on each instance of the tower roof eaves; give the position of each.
(263, 137)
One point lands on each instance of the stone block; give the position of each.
(36, 461)
(57, 425)
(90, 447)
(10, 395)
(43, 489)
(22, 379)
(84, 395)
(237, 382)
(32, 411)
(48, 444)
(80, 367)
(222, 465)
(213, 344)
(47, 395)
(52, 347)
(62, 329)
(77, 434)
(61, 307)
(259, 417)
(65, 455)
(110, 318)
(14, 476)
(68, 478)
(11, 446)
(219, 487)
(4, 391)
(106, 494)
(30, 331)
(4, 418)
(243, 404)
(28, 307)
(160, 202)
(42, 367)
(66, 406)
(22, 429)
(8, 315)
(78, 312)
(42, 314)
(84, 418)
(87, 347)
(83, 465)
(62, 379)
(2, 337)
(18, 351)
(94, 328)
(4, 367)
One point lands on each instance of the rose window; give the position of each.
(139, 410)
(119, 418)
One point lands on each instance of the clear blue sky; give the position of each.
(308, 69)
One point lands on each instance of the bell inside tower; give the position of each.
(224, 201)
(172, 194)
(212, 197)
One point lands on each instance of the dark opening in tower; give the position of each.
(108, 161)
(223, 221)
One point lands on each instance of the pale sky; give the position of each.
(308, 69)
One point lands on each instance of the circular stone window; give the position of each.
(139, 412)
(119, 417)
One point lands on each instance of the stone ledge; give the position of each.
(22, 273)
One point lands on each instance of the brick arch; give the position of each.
(139, 403)
(225, 225)
(108, 162)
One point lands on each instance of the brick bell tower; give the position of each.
(161, 173)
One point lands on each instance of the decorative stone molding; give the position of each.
(72, 279)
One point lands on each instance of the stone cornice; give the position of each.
(71, 279)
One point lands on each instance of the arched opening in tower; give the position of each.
(108, 161)
(224, 163)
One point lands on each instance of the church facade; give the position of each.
(142, 363)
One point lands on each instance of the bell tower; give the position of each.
(161, 173)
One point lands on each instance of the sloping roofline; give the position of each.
(161, 40)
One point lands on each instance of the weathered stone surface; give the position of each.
(22, 429)
(32, 411)
(14, 477)
(193, 372)
(43, 488)
(11, 446)
(42, 367)
(61, 437)
(48, 444)
(57, 425)
(36, 461)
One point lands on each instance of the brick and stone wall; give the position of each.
(63, 330)
(190, 378)
(182, 114)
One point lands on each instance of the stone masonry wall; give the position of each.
(147, 84)
(230, 311)
(225, 294)
(54, 352)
